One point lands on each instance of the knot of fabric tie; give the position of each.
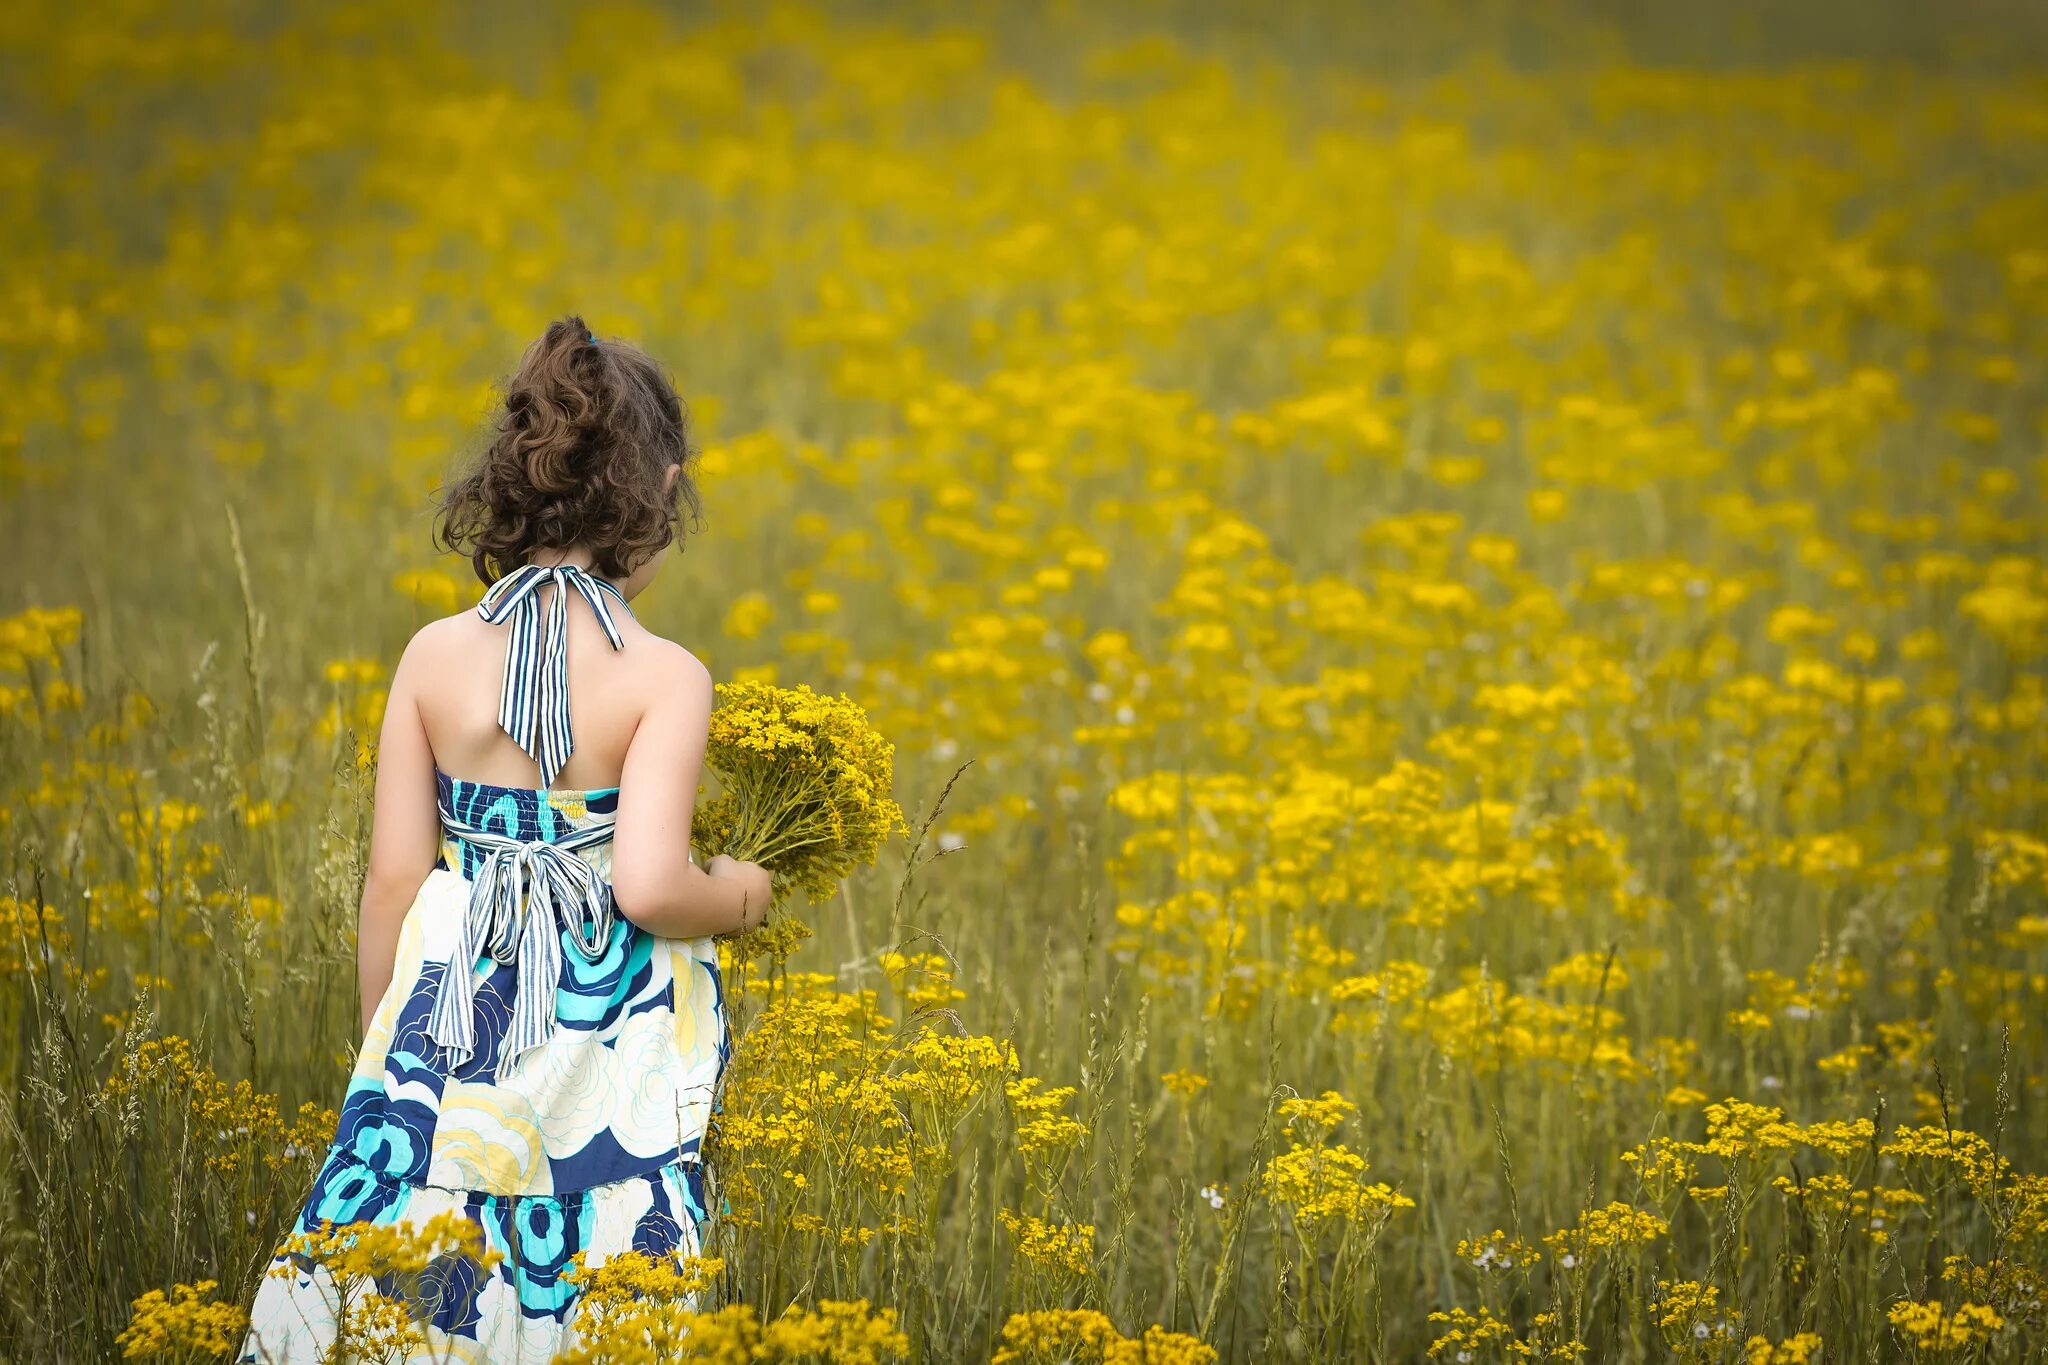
(533, 707)
(523, 895)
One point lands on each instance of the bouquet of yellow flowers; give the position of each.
(805, 785)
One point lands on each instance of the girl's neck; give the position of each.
(579, 555)
(551, 558)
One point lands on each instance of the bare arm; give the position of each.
(405, 833)
(654, 882)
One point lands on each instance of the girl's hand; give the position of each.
(754, 881)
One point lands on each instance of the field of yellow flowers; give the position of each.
(1479, 590)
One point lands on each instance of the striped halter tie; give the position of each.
(534, 706)
(521, 893)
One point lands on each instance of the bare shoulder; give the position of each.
(427, 647)
(450, 637)
(668, 667)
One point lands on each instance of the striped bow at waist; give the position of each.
(523, 894)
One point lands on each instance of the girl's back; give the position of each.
(609, 690)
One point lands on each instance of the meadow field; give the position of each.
(1460, 601)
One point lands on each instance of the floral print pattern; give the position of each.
(589, 1146)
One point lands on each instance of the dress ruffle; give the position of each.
(519, 1309)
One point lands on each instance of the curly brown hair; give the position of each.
(579, 456)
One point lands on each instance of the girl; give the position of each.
(544, 1029)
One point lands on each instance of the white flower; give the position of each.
(1098, 691)
(945, 749)
(1771, 1083)
(1567, 1260)
(950, 842)
(1700, 1332)
(1125, 715)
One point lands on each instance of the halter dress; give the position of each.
(540, 1065)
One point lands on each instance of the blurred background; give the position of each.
(1486, 557)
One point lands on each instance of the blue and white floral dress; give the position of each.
(555, 1091)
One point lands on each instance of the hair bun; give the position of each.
(558, 401)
